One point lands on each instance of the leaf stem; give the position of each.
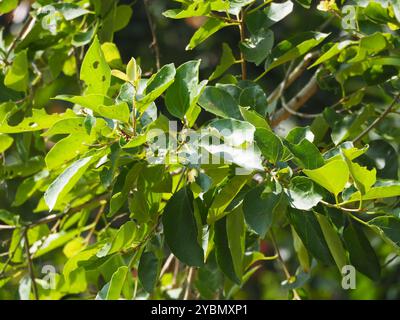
(30, 265)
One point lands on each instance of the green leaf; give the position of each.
(66, 181)
(301, 251)
(361, 253)
(383, 157)
(333, 240)
(296, 135)
(333, 51)
(236, 5)
(8, 5)
(385, 189)
(307, 227)
(223, 252)
(269, 16)
(254, 118)
(231, 131)
(156, 85)
(90, 101)
(55, 241)
(388, 227)
(303, 194)
(211, 26)
(69, 11)
(363, 178)
(182, 237)
(324, 176)
(124, 13)
(224, 198)
(257, 48)
(118, 112)
(306, 154)
(236, 234)
(112, 290)
(270, 145)
(226, 61)
(5, 142)
(293, 48)
(253, 96)
(195, 9)
(183, 94)
(38, 121)
(112, 55)
(258, 209)
(148, 271)
(95, 71)
(220, 103)
(17, 77)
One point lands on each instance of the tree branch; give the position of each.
(54, 217)
(377, 120)
(309, 90)
(292, 77)
(154, 43)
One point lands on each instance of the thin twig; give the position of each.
(377, 120)
(166, 265)
(296, 113)
(292, 76)
(189, 283)
(176, 272)
(284, 267)
(154, 43)
(30, 265)
(24, 31)
(55, 217)
(96, 221)
(242, 38)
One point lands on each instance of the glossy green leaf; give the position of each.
(112, 290)
(258, 209)
(66, 181)
(156, 85)
(257, 48)
(333, 240)
(17, 77)
(227, 60)
(182, 238)
(270, 145)
(224, 198)
(303, 194)
(95, 71)
(5, 142)
(183, 94)
(361, 253)
(293, 48)
(388, 228)
(148, 271)
(310, 233)
(223, 252)
(220, 103)
(336, 169)
(211, 26)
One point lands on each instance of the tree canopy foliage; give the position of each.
(124, 181)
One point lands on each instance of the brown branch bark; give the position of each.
(309, 90)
